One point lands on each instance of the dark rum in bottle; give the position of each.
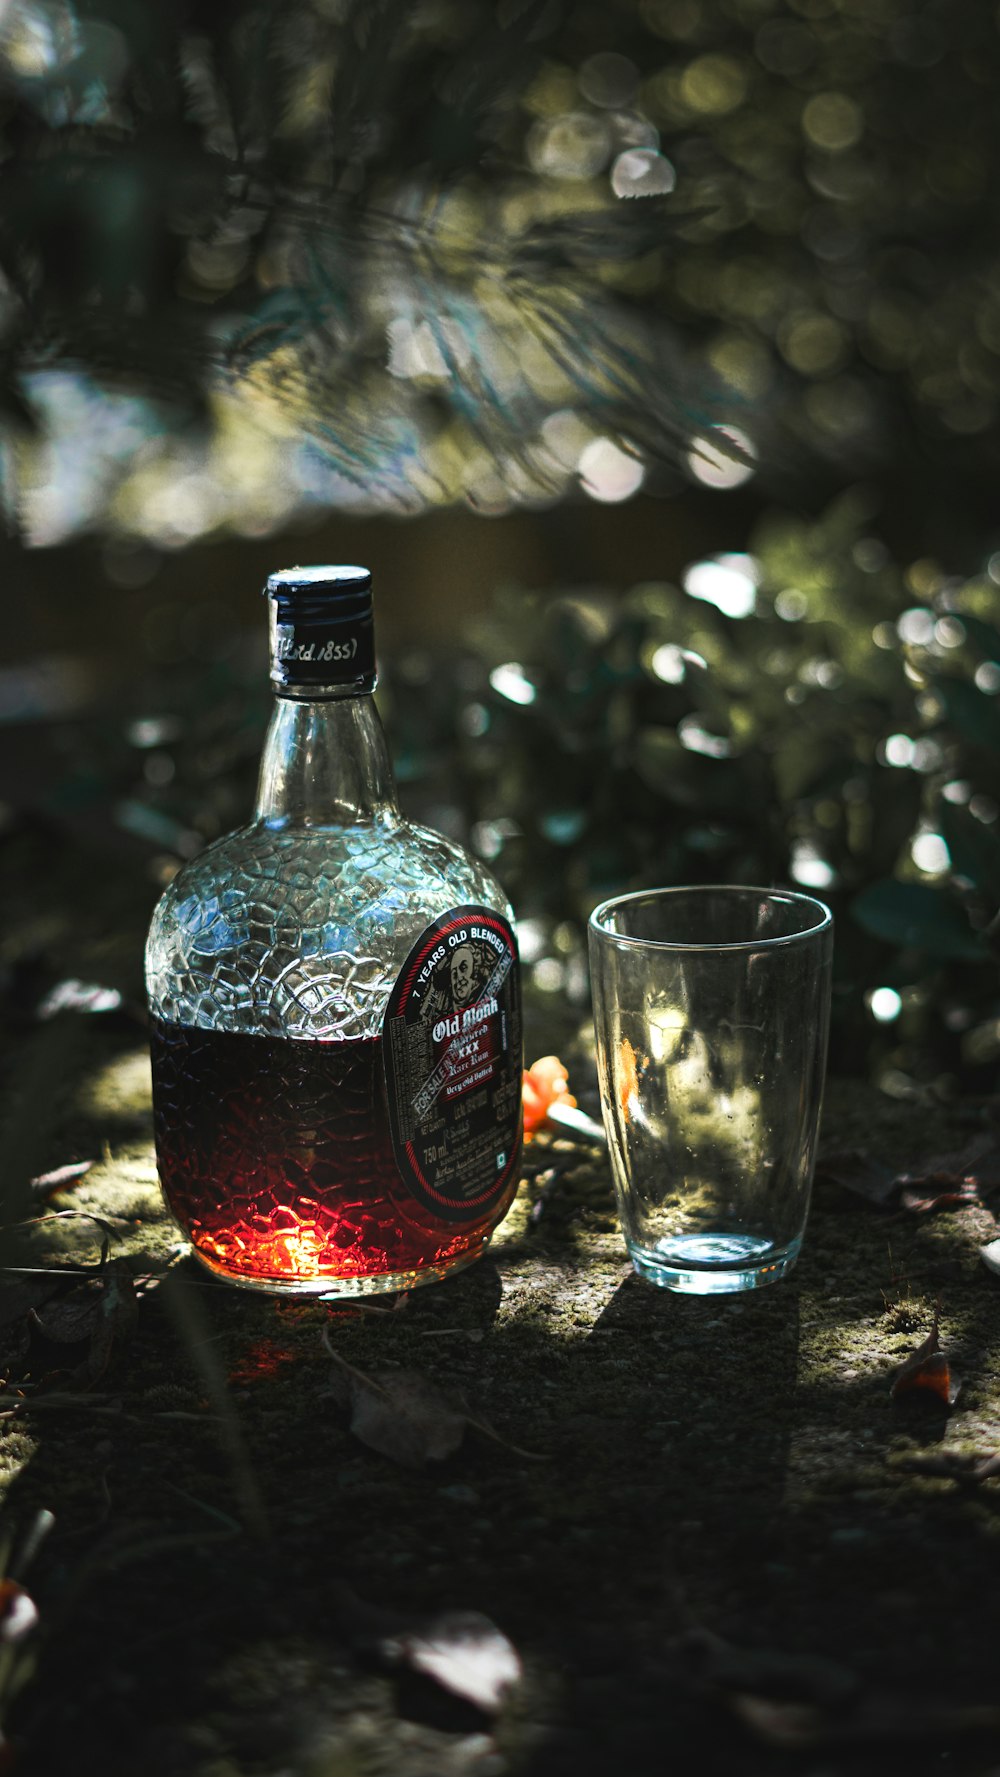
(336, 1028)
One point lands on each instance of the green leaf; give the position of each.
(895, 798)
(803, 766)
(684, 778)
(974, 848)
(971, 713)
(917, 916)
(985, 636)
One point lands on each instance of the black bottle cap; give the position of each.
(322, 635)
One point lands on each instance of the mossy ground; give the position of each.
(728, 1468)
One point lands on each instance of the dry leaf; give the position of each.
(461, 1650)
(947, 1181)
(857, 1171)
(952, 1198)
(950, 1181)
(953, 1465)
(464, 1652)
(19, 1295)
(789, 1727)
(79, 996)
(807, 1678)
(886, 1722)
(57, 1180)
(404, 1415)
(18, 1612)
(115, 1321)
(71, 1318)
(18, 1298)
(927, 1372)
(400, 1413)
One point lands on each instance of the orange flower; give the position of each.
(544, 1082)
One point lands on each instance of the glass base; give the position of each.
(335, 1289)
(714, 1264)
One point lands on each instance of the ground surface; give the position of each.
(728, 1556)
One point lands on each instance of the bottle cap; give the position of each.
(322, 635)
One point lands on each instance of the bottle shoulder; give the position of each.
(303, 932)
(385, 860)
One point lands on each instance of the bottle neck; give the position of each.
(325, 764)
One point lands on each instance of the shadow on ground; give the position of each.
(711, 1474)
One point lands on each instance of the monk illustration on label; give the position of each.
(463, 975)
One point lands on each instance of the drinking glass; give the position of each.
(711, 1009)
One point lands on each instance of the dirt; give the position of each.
(713, 1546)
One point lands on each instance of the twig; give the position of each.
(189, 1318)
(213, 1511)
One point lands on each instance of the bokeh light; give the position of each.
(885, 1004)
(727, 581)
(608, 473)
(714, 465)
(642, 172)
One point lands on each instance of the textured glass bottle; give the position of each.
(336, 1027)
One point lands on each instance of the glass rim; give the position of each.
(599, 930)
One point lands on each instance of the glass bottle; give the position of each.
(334, 999)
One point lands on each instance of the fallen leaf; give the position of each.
(18, 1298)
(19, 1295)
(952, 1198)
(462, 1651)
(18, 1612)
(400, 1413)
(79, 996)
(71, 1317)
(951, 1181)
(856, 1170)
(406, 1416)
(953, 1465)
(115, 1321)
(789, 1727)
(946, 1181)
(806, 1678)
(928, 1372)
(879, 1721)
(57, 1180)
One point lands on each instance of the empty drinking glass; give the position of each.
(711, 1008)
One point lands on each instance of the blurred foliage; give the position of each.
(259, 259)
(267, 255)
(320, 220)
(807, 712)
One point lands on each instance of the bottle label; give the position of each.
(318, 647)
(451, 1043)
